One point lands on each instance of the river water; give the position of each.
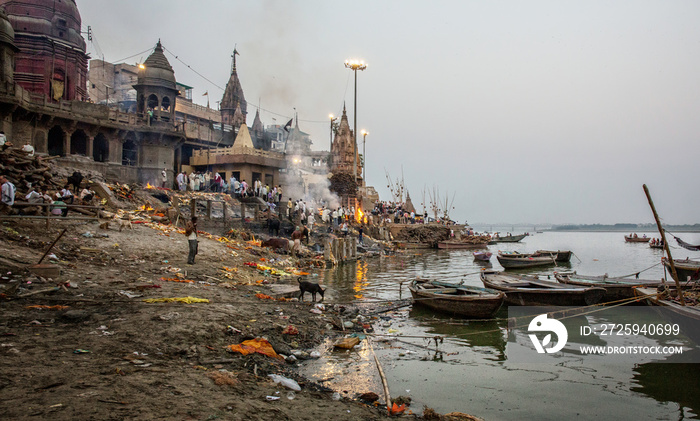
(470, 371)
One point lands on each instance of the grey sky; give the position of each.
(537, 111)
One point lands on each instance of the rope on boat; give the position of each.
(636, 274)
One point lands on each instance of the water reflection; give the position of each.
(470, 371)
(671, 383)
(485, 337)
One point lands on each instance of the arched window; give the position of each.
(152, 102)
(55, 143)
(100, 148)
(78, 143)
(130, 153)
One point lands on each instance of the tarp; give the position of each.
(257, 345)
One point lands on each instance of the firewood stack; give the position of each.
(21, 170)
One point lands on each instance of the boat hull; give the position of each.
(637, 239)
(474, 306)
(457, 245)
(508, 239)
(686, 269)
(524, 262)
(561, 256)
(483, 256)
(529, 291)
(613, 290)
(688, 317)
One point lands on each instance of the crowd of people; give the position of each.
(35, 199)
(208, 181)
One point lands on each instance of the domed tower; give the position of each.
(156, 90)
(51, 60)
(233, 98)
(8, 49)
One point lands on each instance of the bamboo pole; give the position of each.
(674, 274)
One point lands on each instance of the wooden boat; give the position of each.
(656, 246)
(463, 300)
(531, 291)
(636, 239)
(455, 245)
(507, 239)
(685, 269)
(412, 245)
(688, 316)
(484, 256)
(615, 288)
(520, 260)
(562, 256)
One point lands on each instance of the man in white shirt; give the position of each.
(8, 195)
(29, 149)
(164, 176)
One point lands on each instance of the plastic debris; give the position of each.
(284, 381)
(272, 398)
(81, 351)
(290, 330)
(315, 354)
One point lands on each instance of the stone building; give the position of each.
(343, 150)
(234, 107)
(242, 160)
(51, 61)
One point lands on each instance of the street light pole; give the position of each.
(355, 66)
(364, 157)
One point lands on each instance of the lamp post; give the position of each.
(355, 65)
(364, 157)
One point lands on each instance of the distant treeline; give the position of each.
(624, 227)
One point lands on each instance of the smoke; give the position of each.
(314, 189)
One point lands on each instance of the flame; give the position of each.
(149, 186)
(359, 215)
(146, 208)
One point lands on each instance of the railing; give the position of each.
(49, 216)
(236, 150)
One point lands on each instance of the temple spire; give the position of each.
(233, 56)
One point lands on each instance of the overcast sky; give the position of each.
(526, 111)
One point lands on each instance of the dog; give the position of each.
(124, 223)
(305, 286)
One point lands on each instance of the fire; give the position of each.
(359, 215)
(149, 186)
(146, 208)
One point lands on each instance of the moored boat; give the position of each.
(483, 256)
(507, 239)
(520, 260)
(615, 288)
(686, 269)
(688, 316)
(633, 239)
(562, 256)
(462, 244)
(531, 291)
(463, 300)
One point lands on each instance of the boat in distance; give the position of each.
(507, 239)
(521, 260)
(532, 291)
(615, 288)
(633, 239)
(462, 300)
(457, 245)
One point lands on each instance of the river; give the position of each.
(470, 372)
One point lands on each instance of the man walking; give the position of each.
(191, 234)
